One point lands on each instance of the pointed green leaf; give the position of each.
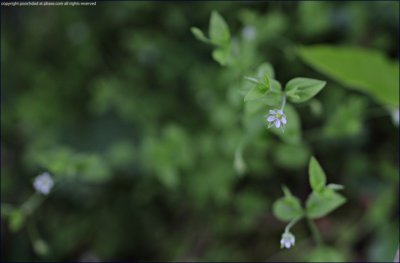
(266, 69)
(316, 175)
(335, 186)
(320, 204)
(362, 69)
(287, 192)
(288, 207)
(218, 31)
(302, 89)
(266, 82)
(254, 93)
(222, 56)
(253, 80)
(199, 35)
(275, 85)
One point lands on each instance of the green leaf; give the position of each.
(17, 219)
(357, 68)
(199, 35)
(255, 93)
(266, 82)
(288, 207)
(40, 247)
(325, 254)
(302, 89)
(316, 175)
(335, 186)
(287, 192)
(262, 82)
(218, 30)
(253, 80)
(320, 204)
(275, 85)
(265, 69)
(346, 120)
(222, 56)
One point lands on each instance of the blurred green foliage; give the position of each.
(156, 156)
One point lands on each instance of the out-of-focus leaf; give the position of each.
(381, 207)
(357, 68)
(288, 207)
(255, 93)
(316, 175)
(384, 243)
(335, 186)
(265, 69)
(199, 35)
(346, 120)
(222, 56)
(319, 204)
(325, 254)
(17, 219)
(218, 30)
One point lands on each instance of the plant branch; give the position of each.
(315, 232)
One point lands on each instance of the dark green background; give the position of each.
(139, 126)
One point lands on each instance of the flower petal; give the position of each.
(283, 119)
(277, 123)
(280, 111)
(271, 118)
(272, 112)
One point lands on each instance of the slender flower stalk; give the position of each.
(315, 232)
(283, 102)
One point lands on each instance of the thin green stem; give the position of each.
(283, 101)
(315, 232)
(292, 223)
(31, 204)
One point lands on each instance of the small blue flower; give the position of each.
(276, 118)
(287, 240)
(43, 183)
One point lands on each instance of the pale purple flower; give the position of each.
(43, 183)
(287, 240)
(276, 118)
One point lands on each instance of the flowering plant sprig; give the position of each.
(262, 91)
(323, 200)
(18, 216)
(297, 90)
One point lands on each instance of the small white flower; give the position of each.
(43, 183)
(287, 240)
(276, 118)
